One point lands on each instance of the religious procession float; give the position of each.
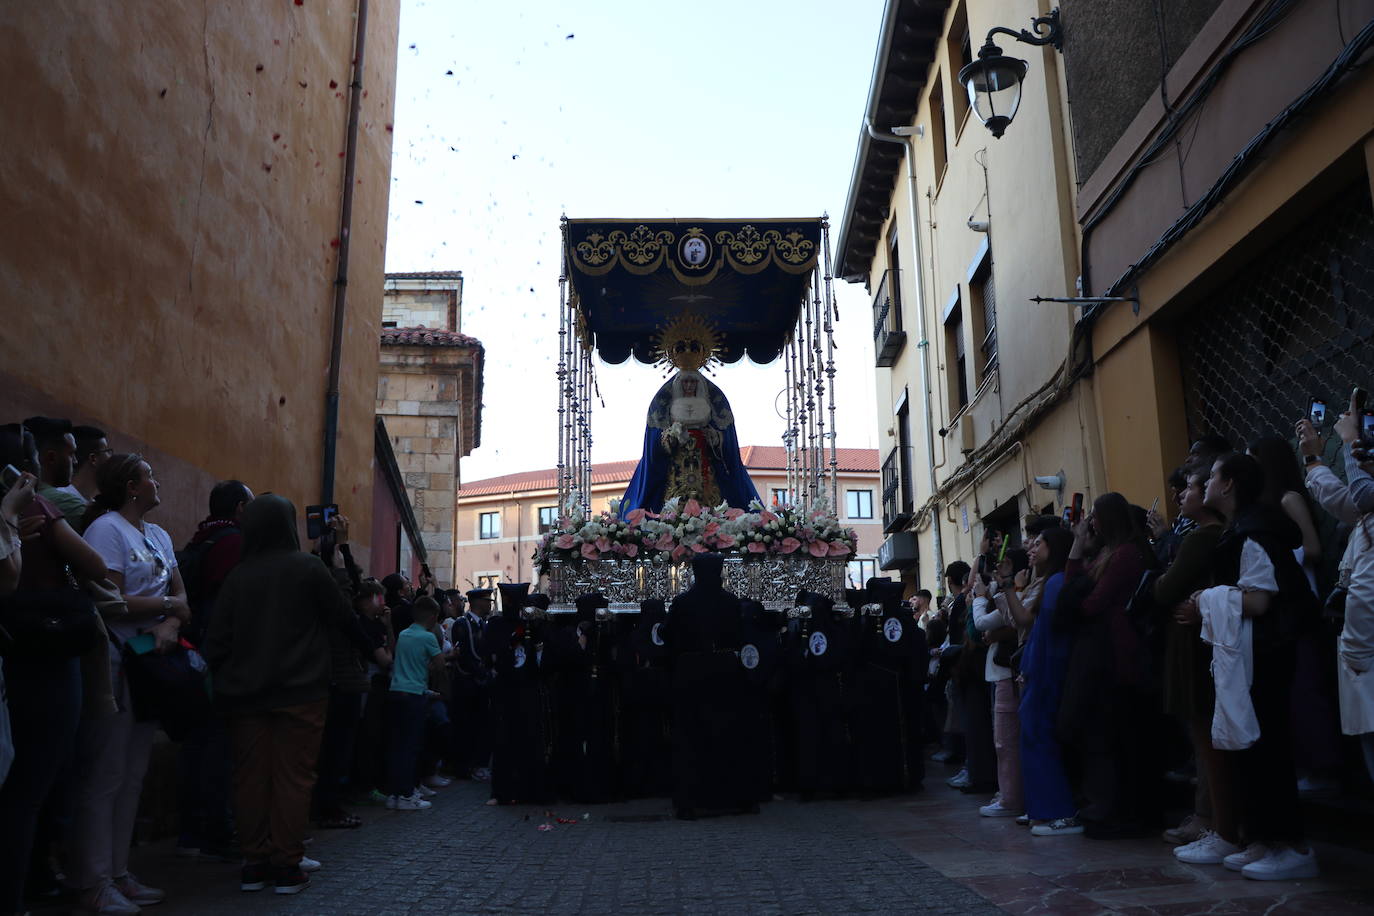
(694, 296)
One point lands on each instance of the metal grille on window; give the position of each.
(1295, 323)
(989, 296)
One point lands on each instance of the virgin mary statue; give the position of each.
(690, 449)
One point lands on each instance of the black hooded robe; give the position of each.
(521, 738)
(818, 668)
(709, 741)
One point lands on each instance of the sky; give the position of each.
(511, 115)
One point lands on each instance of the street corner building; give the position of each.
(1152, 224)
(173, 260)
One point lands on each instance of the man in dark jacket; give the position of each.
(203, 778)
(269, 650)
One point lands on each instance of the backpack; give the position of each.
(189, 561)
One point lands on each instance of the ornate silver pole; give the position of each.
(831, 311)
(564, 330)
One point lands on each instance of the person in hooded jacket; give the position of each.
(703, 636)
(522, 737)
(819, 656)
(647, 744)
(268, 647)
(760, 655)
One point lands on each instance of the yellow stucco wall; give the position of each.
(171, 182)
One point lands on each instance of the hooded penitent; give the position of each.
(513, 596)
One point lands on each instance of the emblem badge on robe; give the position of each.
(749, 656)
(519, 656)
(654, 635)
(818, 643)
(892, 629)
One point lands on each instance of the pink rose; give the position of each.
(765, 517)
(711, 528)
(838, 548)
(589, 551)
(603, 544)
(669, 516)
(692, 509)
(631, 550)
(679, 552)
(756, 547)
(564, 542)
(733, 514)
(725, 540)
(618, 548)
(789, 545)
(664, 542)
(808, 533)
(818, 549)
(699, 547)
(635, 517)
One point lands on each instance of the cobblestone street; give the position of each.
(929, 853)
(465, 857)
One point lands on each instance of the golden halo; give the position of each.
(687, 342)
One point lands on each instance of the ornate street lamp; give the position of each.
(993, 81)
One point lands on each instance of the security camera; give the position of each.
(978, 225)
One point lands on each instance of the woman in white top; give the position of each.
(113, 750)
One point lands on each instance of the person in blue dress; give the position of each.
(1049, 797)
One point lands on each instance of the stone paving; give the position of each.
(465, 857)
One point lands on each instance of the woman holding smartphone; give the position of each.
(113, 750)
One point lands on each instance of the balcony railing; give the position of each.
(897, 507)
(888, 336)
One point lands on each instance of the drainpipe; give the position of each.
(909, 153)
(331, 398)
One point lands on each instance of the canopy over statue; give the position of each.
(687, 293)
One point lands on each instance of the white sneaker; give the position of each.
(1252, 853)
(308, 864)
(995, 809)
(1208, 849)
(108, 901)
(425, 791)
(137, 892)
(412, 803)
(438, 782)
(1286, 864)
(1063, 826)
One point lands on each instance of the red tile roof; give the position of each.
(427, 337)
(426, 275)
(755, 458)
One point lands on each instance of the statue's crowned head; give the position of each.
(688, 342)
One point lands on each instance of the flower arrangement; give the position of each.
(684, 528)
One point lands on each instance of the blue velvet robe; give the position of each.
(646, 489)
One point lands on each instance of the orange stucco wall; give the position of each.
(171, 183)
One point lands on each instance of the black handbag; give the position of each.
(49, 623)
(169, 689)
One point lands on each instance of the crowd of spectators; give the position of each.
(1061, 678)
(1120, 652)
(260, 661)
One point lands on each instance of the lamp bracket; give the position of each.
(1045, 30)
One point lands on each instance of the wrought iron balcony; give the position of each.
(897, 506)
(888, 336)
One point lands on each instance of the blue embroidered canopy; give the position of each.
(748, 278)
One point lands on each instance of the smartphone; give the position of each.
(141, 644)
(1358, 398)
(317, 519)
(1316, 412)
(1077, 511)
(1367, 425)
(9, 477)
(1002, 554)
